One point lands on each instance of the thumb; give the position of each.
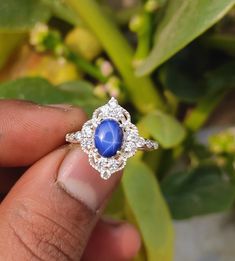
(50, 212)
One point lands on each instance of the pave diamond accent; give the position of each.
(131, 139)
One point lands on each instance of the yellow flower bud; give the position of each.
(83, 42)
(55, 70)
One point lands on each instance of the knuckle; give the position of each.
(41, 237)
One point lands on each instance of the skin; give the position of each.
(38, 219)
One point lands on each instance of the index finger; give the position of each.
(29, 131)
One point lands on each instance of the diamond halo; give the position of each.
(106, 166)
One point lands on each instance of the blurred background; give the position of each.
(171, 64)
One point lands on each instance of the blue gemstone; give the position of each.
(108, 138)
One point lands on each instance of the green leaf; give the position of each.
(63, 11)
(221, 42)
(182, 22)
(149, 209)
(191, 74)
(181, 84)
(33, 89)
(183, 74)
(203, 190)
(164, 128)
(221, 78)
(22, 15)
(83, 91)
(41, 91)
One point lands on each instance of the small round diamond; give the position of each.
(78, 136)
(86, 144)
(113, 102)
(130, 149)
(87, 129)
(140, 142)
(151, 144)
(105, 174)
(88, 132)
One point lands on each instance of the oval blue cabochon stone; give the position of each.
(108, 138)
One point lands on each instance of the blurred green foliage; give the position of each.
(170, 62)
(195, 192)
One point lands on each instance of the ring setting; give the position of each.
(109, 138)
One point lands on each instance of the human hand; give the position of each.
(54, 208)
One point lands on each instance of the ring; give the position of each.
(109, 139)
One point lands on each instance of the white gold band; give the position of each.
(142, 144)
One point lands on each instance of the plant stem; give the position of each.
(86, 67)
(142, 91)
(202, 111)
(144, 39)
(59, 9)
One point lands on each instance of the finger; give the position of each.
(122, 238)
(28, 131)
(51, 211)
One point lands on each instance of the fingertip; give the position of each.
(123, 239)
(70, 109)
(28, 127)
(74, 116)
(85, 185)
(130, 240)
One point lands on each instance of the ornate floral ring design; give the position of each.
(110, 138)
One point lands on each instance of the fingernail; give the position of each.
(65, 107)
(83, 182)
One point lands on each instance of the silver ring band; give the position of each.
(142, 144)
